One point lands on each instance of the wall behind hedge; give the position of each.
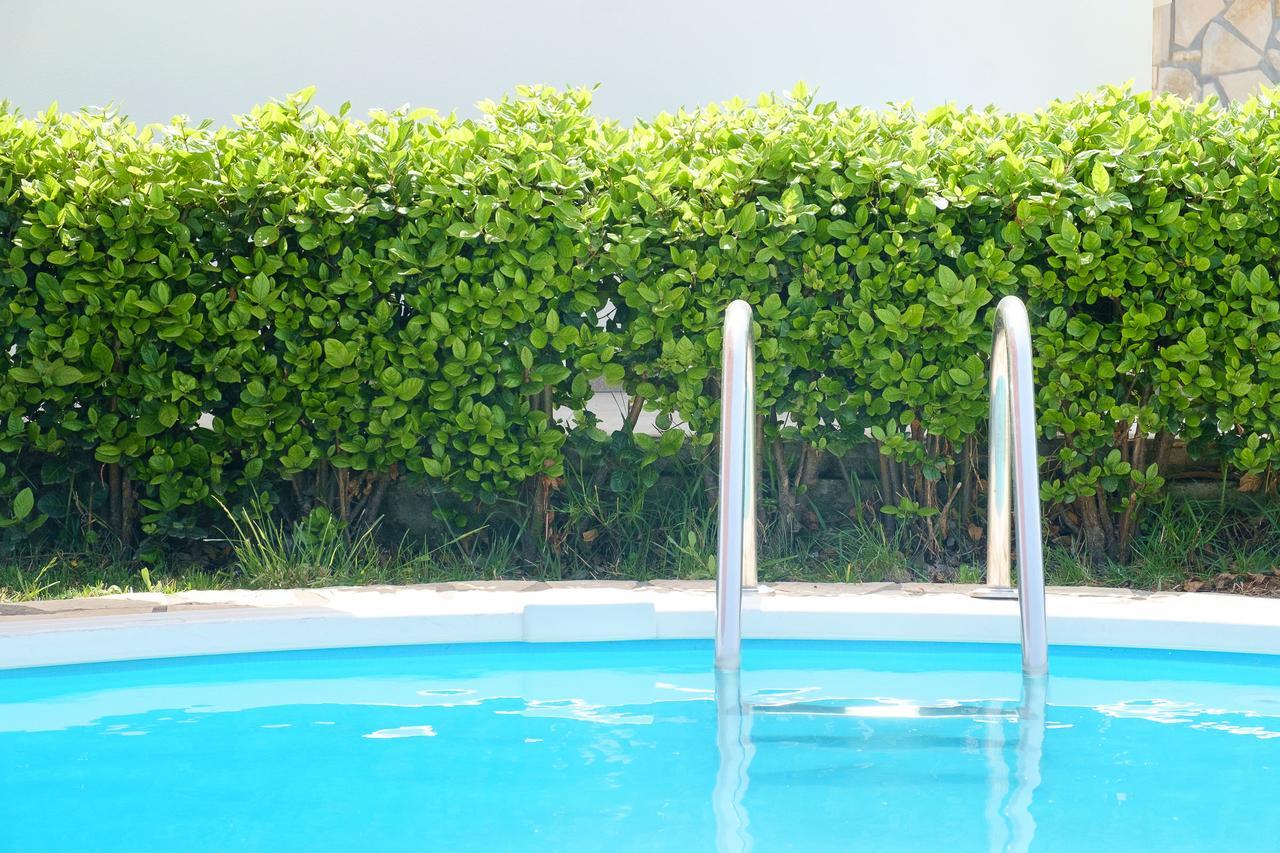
(306, 307)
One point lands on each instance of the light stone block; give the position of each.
(1190, 18)
(1241, 85)
(1224, 52)
(1253, 18)
(1161, 32)
(1178, 81)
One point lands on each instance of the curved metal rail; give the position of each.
(736, 548)
(1013, 463)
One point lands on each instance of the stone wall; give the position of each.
(1208, 48)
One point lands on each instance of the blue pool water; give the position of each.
(624, 746)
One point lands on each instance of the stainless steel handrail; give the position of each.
(1013, 434)
(736, 548)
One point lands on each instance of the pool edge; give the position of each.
(150, 625)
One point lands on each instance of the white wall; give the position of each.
(157, 58)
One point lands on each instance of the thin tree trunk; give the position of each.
(1091, 526)
(1104, 516)
(899, 484)
(1164, 447)
(114, 503)
(126, 512)
(855, 493)
(1128, 521)
(810, 480)
(786, 499)
(966, 484)
(369, 510)
(888, 493)
(633, 414)
(344, 477)
(930, 500)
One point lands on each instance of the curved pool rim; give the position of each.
(143, 626)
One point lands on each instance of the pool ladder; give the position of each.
(736, 547)
(1013, 440)
(1012, 461)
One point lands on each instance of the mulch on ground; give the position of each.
(1250, 583)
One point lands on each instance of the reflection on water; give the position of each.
(733, 741)
(1011, 826)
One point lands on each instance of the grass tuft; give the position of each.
(315, 552)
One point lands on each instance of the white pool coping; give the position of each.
(149, 625)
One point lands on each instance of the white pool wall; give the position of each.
(203, 623)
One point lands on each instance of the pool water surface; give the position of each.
(629, 746)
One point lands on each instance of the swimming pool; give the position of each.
(624, 746)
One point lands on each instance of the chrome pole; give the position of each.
(999, 529)
(736, 548)
(1013, 465)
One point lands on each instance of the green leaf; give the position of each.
(670, 442)
(23, 503)
(336, 353)
(841, 230)
(410, 388)
(65, 374)
(260, 289)
(108, 453)
(266, 235)
(1099, 178)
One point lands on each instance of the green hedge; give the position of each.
(303, 308)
